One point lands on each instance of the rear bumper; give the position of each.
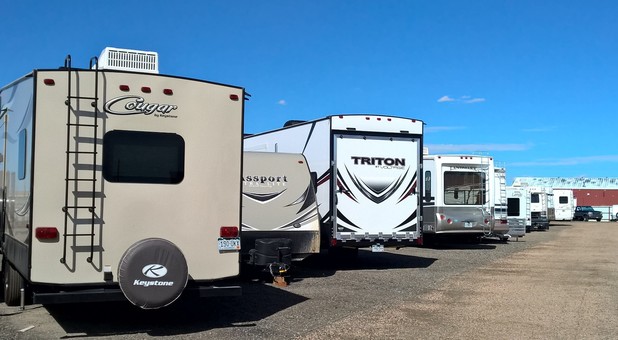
(115, 294)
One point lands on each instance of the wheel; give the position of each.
(585, 218)
(13, 282)
(598, 220)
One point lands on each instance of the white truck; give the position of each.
(110, 185)
(280, 221)
(368, 169)
(456, 196)
(518, 211)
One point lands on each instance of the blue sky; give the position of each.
(531, 83)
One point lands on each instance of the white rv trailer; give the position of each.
(498, 203)
(518, 210)
(538, 208)
(456, 200)
(111, 186)
(368, 168)
(564, 205)
(280, 220)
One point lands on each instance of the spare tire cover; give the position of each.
(152, 273)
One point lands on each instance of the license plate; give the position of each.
(467, 224)
(377, 248)
(227, 244)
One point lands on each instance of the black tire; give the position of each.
(13, 283)
(598, 220)
(585, 218)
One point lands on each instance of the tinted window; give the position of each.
(143, 157)
(464, 188)
(563, 199)
(534, 198)
(22, 152)
(427, 184)
(512, 207)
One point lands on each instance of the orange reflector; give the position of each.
(228, 232)
(49, 81)
(234, 97)
(46, 233)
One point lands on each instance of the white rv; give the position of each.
(368, 168)
(456, 196)
(498, 203)
(518, 211)
(539, 208)
(280, 221)
(119, 185)
(564, 205)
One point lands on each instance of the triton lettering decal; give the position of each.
(380, 162)
(134, 105)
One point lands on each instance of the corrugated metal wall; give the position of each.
(596, 197)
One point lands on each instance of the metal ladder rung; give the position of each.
(82, 152)
(77, 235)
(81, 179)
(83, 125)
(82, 97)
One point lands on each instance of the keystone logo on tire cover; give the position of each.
(154, 271)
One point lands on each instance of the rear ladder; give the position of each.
(80, 209)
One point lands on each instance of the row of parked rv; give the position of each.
(121, 183)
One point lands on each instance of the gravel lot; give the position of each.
(559, 284)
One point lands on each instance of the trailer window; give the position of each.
(512, 207)
(427, 184)
(464, 188)
(534, 198)
(21, 154)
(563, 199)
(143, 157)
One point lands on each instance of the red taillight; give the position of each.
(441, 217)
(124, 88)
(168, 92)
(228, 232)
(46, 233)
(49, 81)
(146, 89)
(333, 242)
(449, 221)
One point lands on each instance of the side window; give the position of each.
(563, 199)
(534, 198)
(512, 208)
(143, 157)
(427, 185)
(22, 154)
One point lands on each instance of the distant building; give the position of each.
(594, 191)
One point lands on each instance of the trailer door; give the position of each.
(376, 188)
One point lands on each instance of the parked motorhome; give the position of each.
(538, 208)
(280, 221)
(498, 203)
(518, 211)
(563, 204)
(368, 168)
(456, 196)
(111, 187)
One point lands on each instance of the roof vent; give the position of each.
(129, 60)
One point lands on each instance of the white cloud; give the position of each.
(474, 100)
(451, 148)
(282, 102)
(462, 99)
(444, 99)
